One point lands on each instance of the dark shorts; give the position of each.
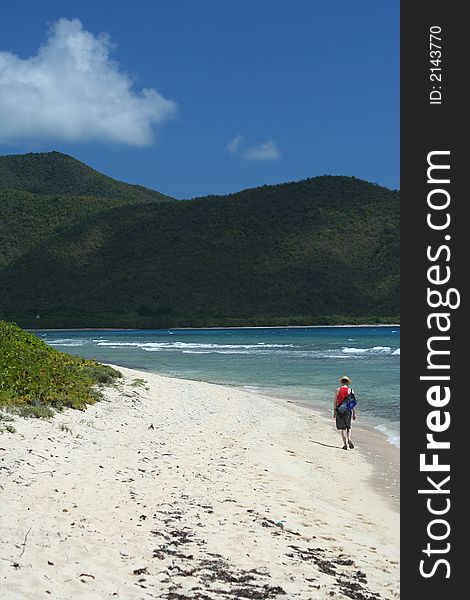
(343, 421)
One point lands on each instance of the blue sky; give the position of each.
(238, 94)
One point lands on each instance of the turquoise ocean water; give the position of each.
(302, 364)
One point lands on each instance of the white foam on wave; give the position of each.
(161, 346)
(393, 437)
(354, 350)
(396, 352)
(373, 350)
(67, 342)
(260, 348)
(121, 344)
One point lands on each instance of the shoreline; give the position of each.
(368, 426)
(211, 328)
(368, 432)
(176, 488)
(373, 444)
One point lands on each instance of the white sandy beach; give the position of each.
(181, 489)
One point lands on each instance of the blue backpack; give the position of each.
(347, 404)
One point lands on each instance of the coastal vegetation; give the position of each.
(79, 251)
(36, 380)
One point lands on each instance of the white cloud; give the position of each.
(73, 91)
(264, 151)
(234, 145)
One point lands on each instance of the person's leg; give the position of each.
(350, 444)
(344, 435)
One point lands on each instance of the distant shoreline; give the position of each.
(210, 328)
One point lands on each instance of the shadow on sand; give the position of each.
(322, 444)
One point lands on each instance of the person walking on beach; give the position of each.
(343, 420)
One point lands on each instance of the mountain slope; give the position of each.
(53, 173)
(322, 250)
(27, 219)
(40, 194)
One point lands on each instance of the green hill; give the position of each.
(27, 219)
(42, 193)
(322, 250)
(53, 173)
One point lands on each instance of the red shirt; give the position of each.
(343, 392)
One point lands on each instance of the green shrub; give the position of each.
(36, 379)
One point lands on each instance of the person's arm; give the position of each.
(335, 400)
(353, 410)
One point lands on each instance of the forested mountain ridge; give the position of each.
(54, 173)
(323, 250)
(43, 192)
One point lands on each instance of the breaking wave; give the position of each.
(291, 351)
